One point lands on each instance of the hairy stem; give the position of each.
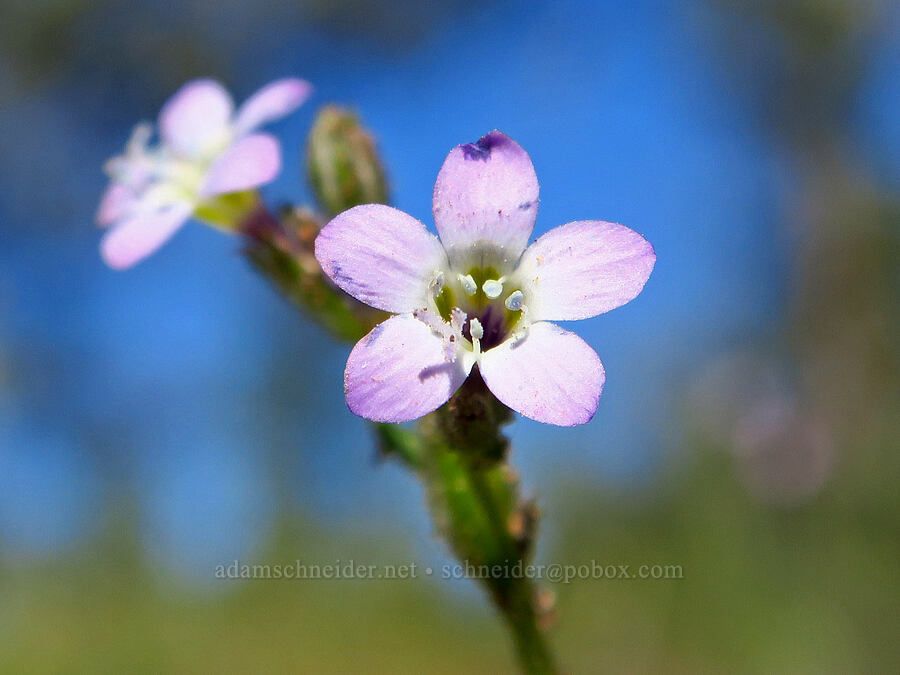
(475, 501)
(515, 596)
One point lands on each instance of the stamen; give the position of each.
(437, 283)
(468, 284)
(140, 137)
(139, 161)
(514, 301)
(493, 288)
(476, 330)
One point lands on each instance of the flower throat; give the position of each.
(486, 297)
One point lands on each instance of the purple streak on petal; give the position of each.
(275, 100)
(397, 372)
(197, 115)
(140, 235)
(381, 256)
(114, 204)
(249, 163)
(584, 268)
(486, 191)
(550, 375)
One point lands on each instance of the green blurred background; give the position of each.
(158, 423)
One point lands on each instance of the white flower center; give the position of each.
(464, 309)
(160, 178)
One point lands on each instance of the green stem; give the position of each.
(514, 596)
(530, 642)
(474, 497)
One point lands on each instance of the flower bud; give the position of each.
(343, 163)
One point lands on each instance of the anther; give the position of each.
(437, 283)
(514, 301)
(476, 329)
(468, 284)
(492, 288)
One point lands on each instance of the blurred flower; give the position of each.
(208, 153)
(746, 404)
(477, 295)
(784, 454)
(727, 387)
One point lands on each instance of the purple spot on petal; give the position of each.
(337, 274)
(475, 151)
(524, 206)
(376, 332)
(481, 149)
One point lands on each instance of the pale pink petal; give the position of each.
(197, 118)
(114, 204)
(275, 100)
(249, 163)
(582, 269)
(141, 234)
(381, 256)
(549, 375)
(398, 373)
(486, 191)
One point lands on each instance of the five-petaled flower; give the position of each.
(207, 150)
(477, 295)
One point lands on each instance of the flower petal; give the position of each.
(114, 204)
(486, 191)
(584, 268)
(141, 234)
(275, 100)
(549, 375)
(397, 372)
(381, 256)
(197, 118)
(249, 163)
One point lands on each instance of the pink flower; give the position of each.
(477, 295)
(207, 150)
